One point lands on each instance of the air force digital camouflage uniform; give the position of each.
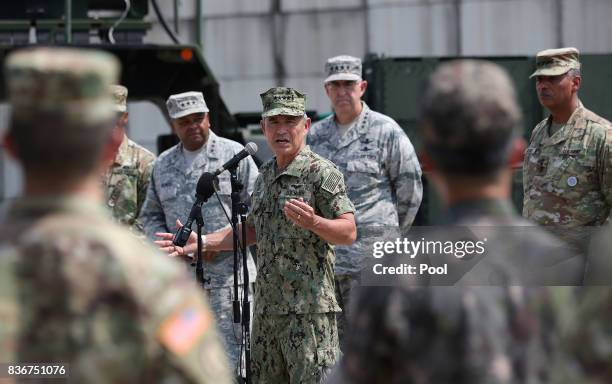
(567, 177)
(77, 290)
(170, 197)
(382, 172)
(127, 180)
(294, 328)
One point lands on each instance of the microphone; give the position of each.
(248, 150)
(206, 187)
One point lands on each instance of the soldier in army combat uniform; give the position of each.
(299, 209)
(127, 179)
(172, 191)
(76, 289)
(468, 333)
(567, 171)
(383, 175)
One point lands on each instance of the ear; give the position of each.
(362, 87)
(576, 82)
(263, 126)
(326, 90)
(517, 154)
(307, 124)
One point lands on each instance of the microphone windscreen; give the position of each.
(251, 148)
(206, 185)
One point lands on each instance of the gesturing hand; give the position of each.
(300, 213)
(165, 244)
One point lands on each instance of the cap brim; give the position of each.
(189, 111)
(282, 111)
(550, 71)
(343, 76)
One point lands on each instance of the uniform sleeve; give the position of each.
(605, 169)
(188, 347)
(405, 176)
(144, 176)
(152, 215)
(256, 187)
(248, 172)
(330, 195)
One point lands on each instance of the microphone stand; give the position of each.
(240, 208)
(199, 265)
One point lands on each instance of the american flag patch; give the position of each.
(181, 331)
(331, 182)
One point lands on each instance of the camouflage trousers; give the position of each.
(295, 348)
(345, 285)
(220, 300)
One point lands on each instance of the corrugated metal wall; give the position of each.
(252, 45)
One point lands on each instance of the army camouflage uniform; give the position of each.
(88, 306)
(382, 173)
(567, 178)
(127, 181)
(71, 281)
(171, 195)
(294, 327)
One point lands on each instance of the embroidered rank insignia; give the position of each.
(331, 182)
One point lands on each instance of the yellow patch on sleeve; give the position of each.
(181, 331)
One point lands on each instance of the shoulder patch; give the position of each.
(181, 330)
(331, 181)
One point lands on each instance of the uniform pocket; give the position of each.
(572, 173)
(363, 166)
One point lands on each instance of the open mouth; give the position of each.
(282, 141)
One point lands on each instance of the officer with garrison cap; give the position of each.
(299, 210)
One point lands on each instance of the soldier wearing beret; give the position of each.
(299, 210)
(383, 175)
(77, 290)
(127, 179)
(567, 171)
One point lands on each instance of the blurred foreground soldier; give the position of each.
(588, 336)
(300, 209)
(77, 290)
(467, 334)
(567, 173)
(127, 179)
(383, 175)
(172, 194)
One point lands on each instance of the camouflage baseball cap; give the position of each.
(69, 83)
(554, 62)
(120, 94)
(186, 103)
(283, 101)
(343, 68)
